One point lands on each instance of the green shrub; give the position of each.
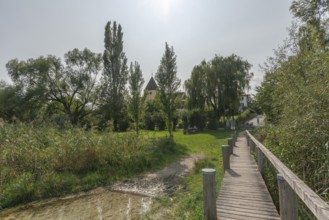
(197, 118)
(20, 189)
(149, 121)
(160, 120)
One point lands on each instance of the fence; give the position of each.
(290, 186)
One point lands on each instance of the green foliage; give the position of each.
(168, 84)
(217, 85)
(20, 189)
(213, 123)
(13, 104)
(160, 120)
(115, 74)
(197, 118)
(196, 87)
(44, 81)
(40, 162)
(149, 121)
(136, 82)
(301, 128)
(310, 11)
(245, 116)
(295, 99)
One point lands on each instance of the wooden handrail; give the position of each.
(318, 207)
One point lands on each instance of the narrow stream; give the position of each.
(103, 204)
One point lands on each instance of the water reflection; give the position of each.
(101, 204)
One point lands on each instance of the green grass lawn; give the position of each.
(187, 203)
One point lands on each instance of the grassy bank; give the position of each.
(187, 203)
(42, 162)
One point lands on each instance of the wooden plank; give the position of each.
(251, 206)
(243, 192)
(254, 211)
(248, 215)
(313, 201)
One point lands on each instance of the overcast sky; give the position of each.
(197, 29)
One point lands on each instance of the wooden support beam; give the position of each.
(252, 146)
(288, 200)
(260, 161)
(230, 143)
(226, 152)
(209, 193)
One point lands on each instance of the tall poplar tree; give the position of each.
(115, 74)
(168, 84)
(136, 82)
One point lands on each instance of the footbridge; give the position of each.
(243, 193)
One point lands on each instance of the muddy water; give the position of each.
(100, 204)
(103, 203)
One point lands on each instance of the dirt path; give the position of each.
(162, 182)
(124, 200)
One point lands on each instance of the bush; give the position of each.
(160, 120)
(213, 123)
(197, 118)
(19, 189)
(149, 121)
(245, 116)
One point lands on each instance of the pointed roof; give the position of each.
(151, 85)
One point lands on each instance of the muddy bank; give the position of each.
(163, 182)
(123, 200)
(98, 204)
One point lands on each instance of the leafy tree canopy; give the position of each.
(73, 85)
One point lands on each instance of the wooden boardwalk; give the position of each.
(243, 193)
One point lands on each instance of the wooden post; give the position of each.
(235, 137)
(248, 140)
(252, 146)
(209, 193)
(260, 161)
(230, 143)
(288, 200)
(226, 152)
(232, 137)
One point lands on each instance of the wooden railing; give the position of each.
(289, 185)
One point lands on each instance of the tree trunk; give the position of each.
(115, 125)
(170, 125)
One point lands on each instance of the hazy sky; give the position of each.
(197, 29)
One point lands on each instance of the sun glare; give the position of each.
(161, 7)
(166, 6)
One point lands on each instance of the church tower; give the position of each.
(151, 89)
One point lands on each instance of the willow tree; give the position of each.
(218, 84)
(115, 74)
(196, 88)
(233, 77)
(168, 84)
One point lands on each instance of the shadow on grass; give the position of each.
(167, 152)
(218, 134)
